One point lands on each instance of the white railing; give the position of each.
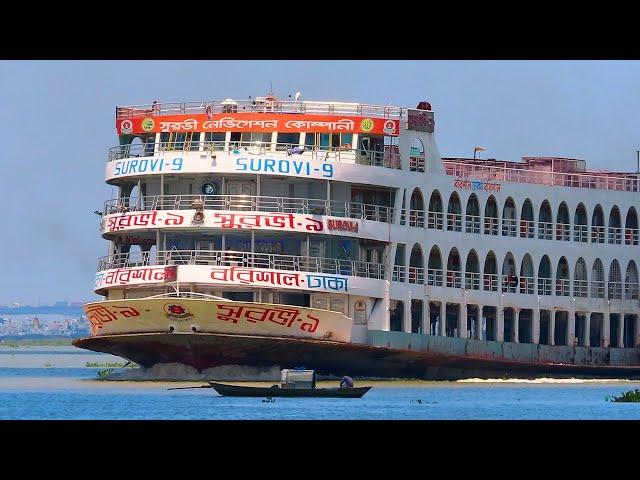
(490, 282)
(544, 286)
(472, 224)
(434, 277)
(504, 173)
(416, 164)
(416, 218)
(615, 235)
(269, 106)
(435, 220)
(615, 290)
(580, 288)
(597, 288)
(580, 233)
(253, 203)
(563, 232)
(490, 226)
(509, 284)
(545, 230)
(631, 290)
(398, 273)
(454, 222)
(563, 287)
(472, 280)
(527, 285)
(527, 228)
(454, 278)
(631, 236)
(245, 259)
(509, 227)
(416, 275)
(597, 234)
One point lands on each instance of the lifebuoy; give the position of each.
(198, 217)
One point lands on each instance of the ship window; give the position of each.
(180, 140)
(287, 140)
(324, 141)
(214, 136)
(255, 139)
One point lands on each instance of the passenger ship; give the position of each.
(271, 232)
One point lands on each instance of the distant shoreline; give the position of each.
(35, 342)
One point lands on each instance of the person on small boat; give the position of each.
(346, 382)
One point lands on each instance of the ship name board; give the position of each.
(343, 225)
(147, 165)
(476, 185)
(257, 122)
(282, 166)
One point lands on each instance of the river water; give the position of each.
(55, 383)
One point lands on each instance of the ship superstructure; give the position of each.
(331, 234)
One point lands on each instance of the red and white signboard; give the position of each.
(258, 122)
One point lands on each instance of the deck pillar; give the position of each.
(442, 326)
(462, 321)
(499, 323)
(516, 324)
(535, 326)
(587, 329)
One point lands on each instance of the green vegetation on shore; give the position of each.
(630, 396)
(36, 342)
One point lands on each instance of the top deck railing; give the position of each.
(259, 106)
(629, 182)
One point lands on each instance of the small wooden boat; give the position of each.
(275, 391)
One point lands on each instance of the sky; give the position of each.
(58, 123)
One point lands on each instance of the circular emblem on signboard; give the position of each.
(209, 188)
(389, 127)
(148, 124)
(126, 126)
(360, 306)
(366, 125)
(177, 311)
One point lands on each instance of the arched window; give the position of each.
(527, 276)
(509, 280)
(580, 281)
(490, 277)
(545, 222)
(472, 272)
(615, 230)
(416, 209)
(434, 219)
(416, 265)
(597, 225)
(597, 279)
(563, 223)
(631, 281)
(527, 222)
(416, 156)
(580, 228)
(615, 280)
(472, 219)
(544, 276)
(453, 269)
(563, 278)
(454, 215)
(509, 220)
(434, 272)
(491, 216)
(631, 227)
